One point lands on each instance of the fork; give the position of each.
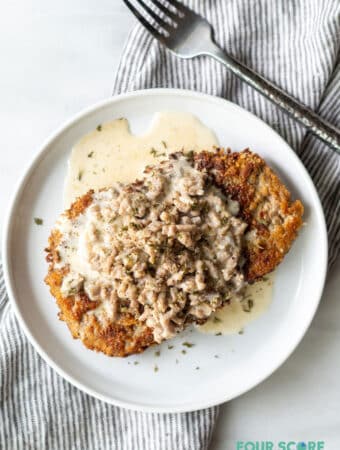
(187, 35)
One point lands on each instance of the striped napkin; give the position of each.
(296, 44)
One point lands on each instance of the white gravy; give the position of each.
(232, 319)
(112, 153)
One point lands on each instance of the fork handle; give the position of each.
(301, 113)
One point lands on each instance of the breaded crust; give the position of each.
(122, 338)
(265, 204)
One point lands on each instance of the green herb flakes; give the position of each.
(156, 154)
(188, 344)
(99, 128)
(248, 305)
(38, 221)
(158, 353)
(90, 155)
(155, 369)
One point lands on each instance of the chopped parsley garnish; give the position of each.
(218, 334)
(164, 144)
(90, 155)
(170, 347)
(247, 307)
(217, 320)
(188, 344)
(156, 154)
(197, 368)
(136, 226)
(99, 128)
(158, 353)
(38, 221)
(135, 363)
(183, 351)
(155, 369)
(80, 175)
(241, 332)
(72, 291)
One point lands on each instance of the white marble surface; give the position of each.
(60, 56)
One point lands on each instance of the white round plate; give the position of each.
(244, 360)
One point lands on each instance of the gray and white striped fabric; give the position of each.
(296, 44)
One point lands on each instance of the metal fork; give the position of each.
(187, 35)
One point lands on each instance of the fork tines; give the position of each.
(163, 17)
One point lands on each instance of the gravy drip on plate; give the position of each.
(111, 153)
(233, 317)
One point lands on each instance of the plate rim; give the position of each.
(6, 238)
